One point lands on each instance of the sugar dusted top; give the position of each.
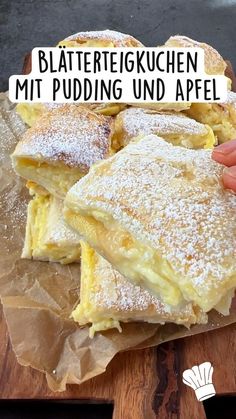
(214, 63)
(58, 231)
(138, 120)
(231, 98)
(115, 292)
(119, 39)
(72, 135)
(172, 199)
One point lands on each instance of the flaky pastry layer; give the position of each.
(161, 216)
(108, 298)
(31, 112)
(60, 148)
(221, 117)
(214, 63)
(173, 127)
(106, 38)
(48, 237)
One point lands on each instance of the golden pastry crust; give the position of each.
(214, 63)
(161, 106)
(48, 237)
(220, 116)
(65, 141)
(173, 127)
(108, 298)
(106, 38)
(74, 136)
(161, 216)
(31, 112)
(107, 109)
(35, 189)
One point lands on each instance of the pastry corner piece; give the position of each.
(105, 38)
(160, 215)
(107, 298)
(62, 145)
(48, 237)
(174, 127)
(31, 112)
(221, 117)
(214, 63)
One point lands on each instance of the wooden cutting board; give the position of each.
(144, 384)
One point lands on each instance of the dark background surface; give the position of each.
(25, 24)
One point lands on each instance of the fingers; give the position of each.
(229, 178)
(225, 153)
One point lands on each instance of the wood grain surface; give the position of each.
(142, 384)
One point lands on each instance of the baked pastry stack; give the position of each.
(160, 215)
(137, 197)
(60, 148)
(221, 117)
(52, 155)
(173, 127)
(107, 298)
(99, 39)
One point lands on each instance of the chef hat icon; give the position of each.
(199, 378)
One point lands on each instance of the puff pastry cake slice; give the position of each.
(31, 112)
(214, 63)
(160, 215)
(220, 116)
(108, 298)
(48, 237)
(60, 148)
(173, 127)
(106, 38)
(109, 38)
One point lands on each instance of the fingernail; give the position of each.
(230, 171)
(226, 148)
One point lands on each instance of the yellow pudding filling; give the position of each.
(86, 312)
(107, 298)
(107, 109)
(47, 235)
(57, 179)
(172, 127)
(220, 117)
(34, 189)
(30, 112)
(139, 262)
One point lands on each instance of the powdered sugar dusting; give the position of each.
(171, 198)
(117, 293)
(214, 63)
(140, 121)
(58, 229)
(231, 98)
(119, 38)
(73, 135)
(11, 128)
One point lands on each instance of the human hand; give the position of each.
(226, 154)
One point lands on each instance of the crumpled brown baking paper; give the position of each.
(38, 297)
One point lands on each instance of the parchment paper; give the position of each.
(38, 297)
